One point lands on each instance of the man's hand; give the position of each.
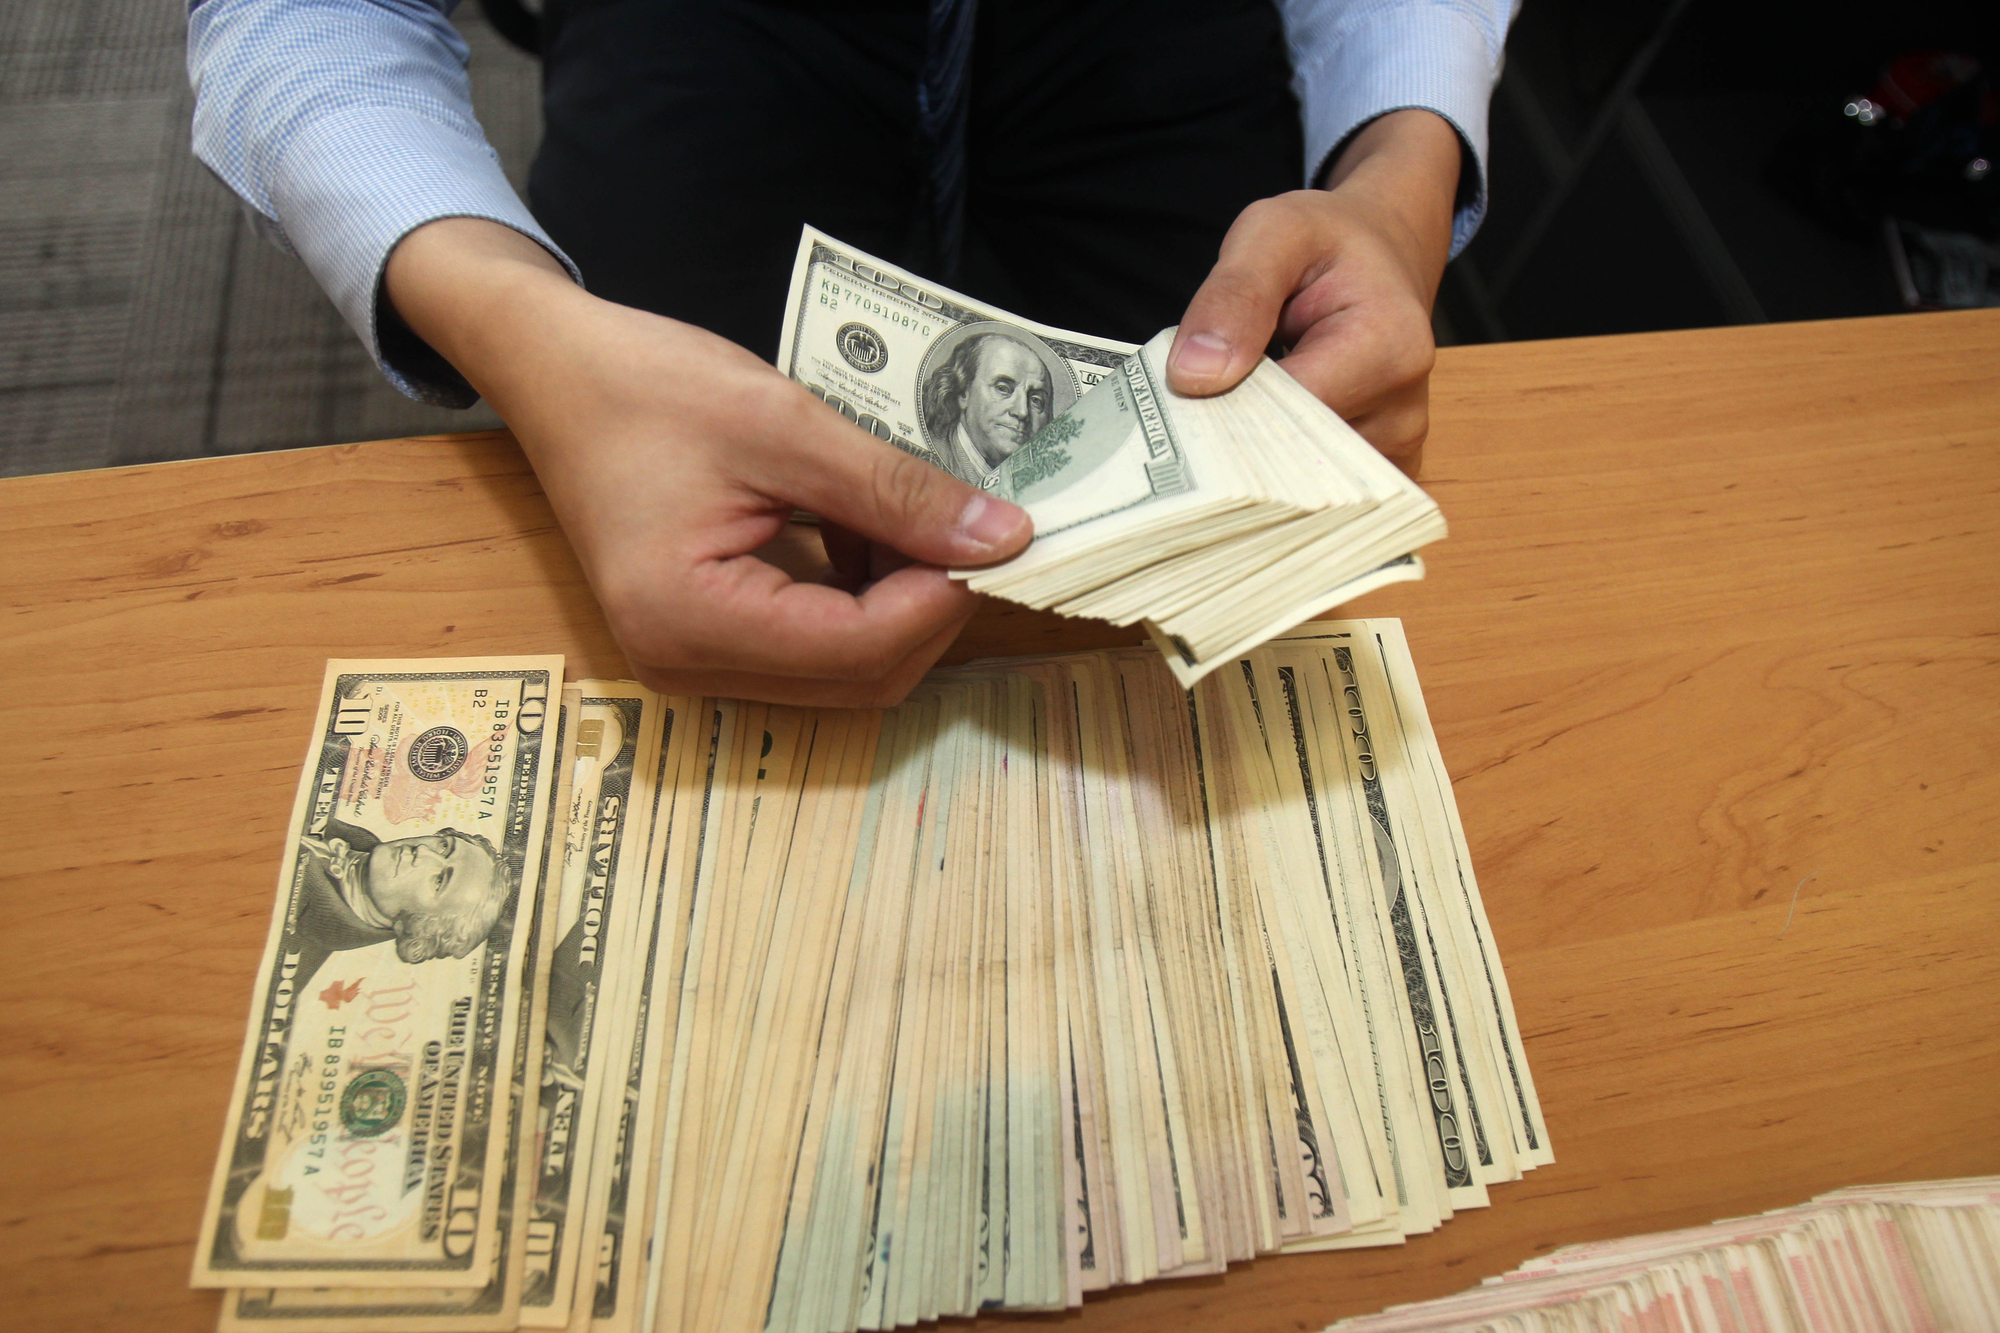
(1345, 277)
(670, 455)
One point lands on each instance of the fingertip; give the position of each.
(1203, 354)
(990, 529)
(1203, 363)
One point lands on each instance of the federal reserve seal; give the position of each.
(861, 347)
(438, 753)
(373, 1103)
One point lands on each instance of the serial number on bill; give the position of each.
(833, 295)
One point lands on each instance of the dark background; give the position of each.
(1633, 152)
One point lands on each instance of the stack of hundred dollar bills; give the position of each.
(589, 1008)
(1216, 522)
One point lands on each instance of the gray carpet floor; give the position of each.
(140, 317)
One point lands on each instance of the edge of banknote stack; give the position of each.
(1056, 977)
(1918, 1256)
(1215, 522)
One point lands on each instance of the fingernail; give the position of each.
(1202, 354)
(985, 523)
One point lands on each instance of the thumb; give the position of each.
(1230, 321)
(845, 474)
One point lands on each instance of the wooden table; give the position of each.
(1716, 629)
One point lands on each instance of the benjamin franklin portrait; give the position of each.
(989, 396)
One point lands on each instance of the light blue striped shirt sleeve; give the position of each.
(344, 125)
(1354, 60)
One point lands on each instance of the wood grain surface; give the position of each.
(1716, 628)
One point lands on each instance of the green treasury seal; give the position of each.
(372, 1103)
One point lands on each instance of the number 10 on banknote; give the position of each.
(369, 1121)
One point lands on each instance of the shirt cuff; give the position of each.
(1428, 57)
(353, 183)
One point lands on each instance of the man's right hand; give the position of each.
(670, 455)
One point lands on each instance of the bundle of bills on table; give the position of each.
(590, 1008)
(1217, 522)
(1913, 1257)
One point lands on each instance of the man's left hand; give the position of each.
(1345, 277)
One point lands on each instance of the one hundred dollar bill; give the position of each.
(1215, 522)
(934, 373)
(370, 1122)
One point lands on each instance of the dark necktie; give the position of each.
(941, 112)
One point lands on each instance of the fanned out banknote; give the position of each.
(1216, 522)
(592, 926)
(1054, 978)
